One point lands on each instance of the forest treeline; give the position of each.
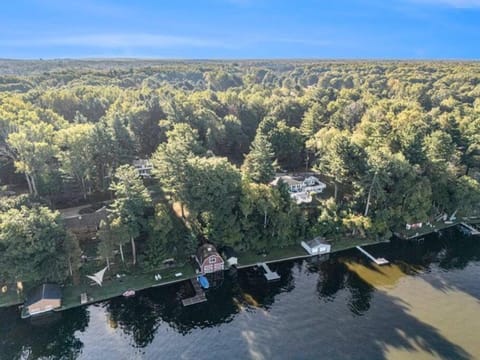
(397, 142)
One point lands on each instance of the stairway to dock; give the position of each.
(269, 274)
(378, 261)
(199, 296)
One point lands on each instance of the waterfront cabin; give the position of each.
(316, 246)
(208, 259)
(43, 298)
(144, 167)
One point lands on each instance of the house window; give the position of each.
(208, 268)
(212, 260)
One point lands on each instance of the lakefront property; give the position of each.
(240, 179)
(183, 178)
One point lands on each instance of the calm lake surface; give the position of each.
(426, 305)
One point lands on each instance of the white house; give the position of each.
(312, 184)
(144, 167)
(300, 188)
(301, 197)
(316, 246)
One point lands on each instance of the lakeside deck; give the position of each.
(469, 230)
(378, 261)
(199, 296)
(269, 274)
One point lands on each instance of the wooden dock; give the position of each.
(378, 261)
(269, 274)
(199, 296)
(468, 229)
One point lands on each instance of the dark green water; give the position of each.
(425, 305)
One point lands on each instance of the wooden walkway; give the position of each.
(378, 261)
(199, 296)
(470, 230)
(269, 274)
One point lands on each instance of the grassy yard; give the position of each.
(10, 298)
(276, 254)
(136, 279)
(425, 229)
(117, 286)
(296, 251)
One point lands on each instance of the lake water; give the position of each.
(425, 305)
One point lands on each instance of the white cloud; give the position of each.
(113, 41)
(149, 40)
(461, 4)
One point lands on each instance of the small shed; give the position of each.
(317, 246)
(43, 298)
(208, 259)
(230, 256)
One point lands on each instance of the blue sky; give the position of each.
(210, 29)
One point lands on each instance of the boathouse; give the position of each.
(43, 298)
(208, 259)
(317, 246)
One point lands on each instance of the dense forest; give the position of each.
(395, 142)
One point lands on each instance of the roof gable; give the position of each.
(45, 291)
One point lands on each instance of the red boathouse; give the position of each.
(208, 259)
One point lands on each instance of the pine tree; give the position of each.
(259, 164)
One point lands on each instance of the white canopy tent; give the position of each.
(98, 276)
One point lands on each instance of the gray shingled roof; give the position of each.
(316, 242)
(45, 291)
(87, 221)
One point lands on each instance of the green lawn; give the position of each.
(425, 229)
(136, 279)
(10, 298)
(276, 254)
(296, 251)
(116, 287)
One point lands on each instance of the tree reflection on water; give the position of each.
(356, 308)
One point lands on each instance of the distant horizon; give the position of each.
(241, 29)
(273, 59)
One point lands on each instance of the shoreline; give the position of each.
(143, 281)
(72, 293)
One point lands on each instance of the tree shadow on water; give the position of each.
(50, 336)
(378, 322)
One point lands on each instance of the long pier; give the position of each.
(269, 274)
(199, 296)
(470, 230)
(378, 261)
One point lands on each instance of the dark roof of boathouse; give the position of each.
(206, 250)
(45, 291)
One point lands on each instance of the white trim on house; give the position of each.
(316, 246)
(301, 190)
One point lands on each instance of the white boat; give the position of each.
(129, 293)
